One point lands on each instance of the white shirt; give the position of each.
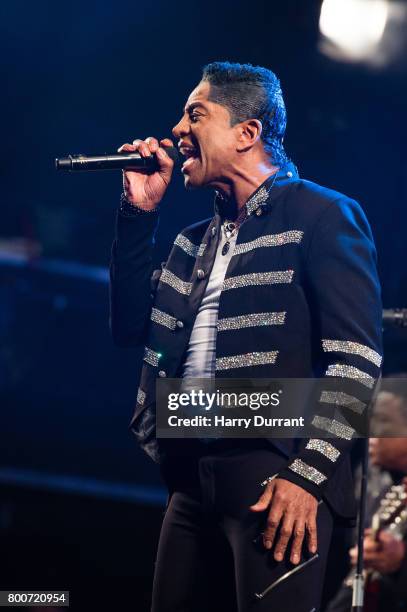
(201, 351)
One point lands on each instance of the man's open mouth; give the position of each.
(191, 155)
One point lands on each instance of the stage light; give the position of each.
(352, 29)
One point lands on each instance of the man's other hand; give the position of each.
(293, 512)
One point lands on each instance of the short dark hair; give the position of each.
(251, 92)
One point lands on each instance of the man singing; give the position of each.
(280, 283)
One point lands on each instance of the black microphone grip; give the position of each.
(114, 161)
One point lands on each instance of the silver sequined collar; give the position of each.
(260, 197)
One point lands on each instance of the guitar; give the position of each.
(391, 517)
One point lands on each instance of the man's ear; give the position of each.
(249, 132)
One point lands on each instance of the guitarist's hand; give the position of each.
(384, 555)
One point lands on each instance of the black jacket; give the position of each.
(305, 252)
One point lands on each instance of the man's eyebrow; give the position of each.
(189, 108)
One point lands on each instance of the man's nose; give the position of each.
(180, 129)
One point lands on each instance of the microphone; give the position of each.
(395, 316)
(114, 161)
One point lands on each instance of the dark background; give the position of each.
(80, 506)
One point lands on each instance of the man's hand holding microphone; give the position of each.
(145, 189)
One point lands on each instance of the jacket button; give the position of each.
(258, 212)
(200, 273)
(179, 324)
(162, 374)
(289, 174)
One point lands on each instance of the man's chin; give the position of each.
(193, 182)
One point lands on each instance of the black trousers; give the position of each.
(210, 557)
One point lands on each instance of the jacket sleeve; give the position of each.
(130, 277)
(344, 296)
